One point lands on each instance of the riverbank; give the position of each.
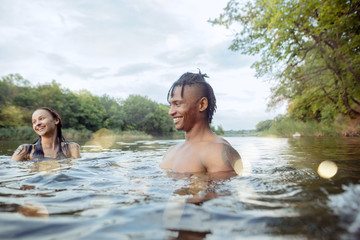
(27, 134)
(286, 127)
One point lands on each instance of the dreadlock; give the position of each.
(196, 79)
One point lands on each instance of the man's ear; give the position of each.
(203, 104)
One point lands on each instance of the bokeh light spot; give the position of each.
(238, 167)
(327, 169)
(102, 138)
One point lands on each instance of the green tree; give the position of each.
(158, 122)
(80, 110)
(50, 95)
(263, 125)
(91, 113)
(114, 113)
(310, 48)
(218, 130)
(14, 116)
(10, 86)
(70, 110)
(136, 108)
(143, 114)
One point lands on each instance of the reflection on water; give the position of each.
(33, 210)
(297, 188)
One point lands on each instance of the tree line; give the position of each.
(80, 110)
(308, 49)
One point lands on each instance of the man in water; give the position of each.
(192, 105)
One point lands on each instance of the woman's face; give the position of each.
(44, 124)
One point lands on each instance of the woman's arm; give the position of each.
(20, 153)
(74, 150)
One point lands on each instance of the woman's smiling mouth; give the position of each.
(39, 129)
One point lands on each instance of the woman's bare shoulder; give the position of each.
(21, 153)
(74, 149)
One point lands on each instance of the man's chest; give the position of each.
(187, 159)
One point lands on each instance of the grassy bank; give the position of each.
(17, 133)
(28, 134)
(287, 127)
(240, 133)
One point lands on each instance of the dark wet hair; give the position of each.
(38, 150)
(196, 79)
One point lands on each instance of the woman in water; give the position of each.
(50, 144)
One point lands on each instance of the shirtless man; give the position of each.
(192, 105)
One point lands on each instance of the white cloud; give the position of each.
(130, 47)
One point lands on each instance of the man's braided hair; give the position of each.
(198, 80)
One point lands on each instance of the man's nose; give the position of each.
(171, 111)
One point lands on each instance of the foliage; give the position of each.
(218, 130)
(263, 125)
(287, 127)
(90, 112)
(73, 134)
(158, 122)
(241, 133)
(115, 115)
(143, 114)
(9, 87)
(12, 116)
(136, 108)
(309, 48)
(18, 133)
(81, 112)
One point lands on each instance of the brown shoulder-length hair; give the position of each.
(38, 150)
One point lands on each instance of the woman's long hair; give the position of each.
(38, 150)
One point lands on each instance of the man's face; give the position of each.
(184, 110)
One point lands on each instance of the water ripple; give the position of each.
(121, 193)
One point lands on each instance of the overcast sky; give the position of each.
(122, 47)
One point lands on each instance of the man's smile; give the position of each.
(177, 119)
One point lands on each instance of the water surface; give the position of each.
(121, 193)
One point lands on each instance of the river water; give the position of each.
(121, 193)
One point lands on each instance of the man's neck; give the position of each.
(200, 132)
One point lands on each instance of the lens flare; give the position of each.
(327, 169)
(238, 167)
(173, 211)
(102, 138)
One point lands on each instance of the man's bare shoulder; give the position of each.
(216, 144)
(221, 156)
(173, 149)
